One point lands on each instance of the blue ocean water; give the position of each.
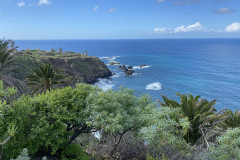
(208, 67)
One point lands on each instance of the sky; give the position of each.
(119, 19)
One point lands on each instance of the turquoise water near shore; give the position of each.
(208, 67)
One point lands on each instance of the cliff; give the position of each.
(79, 68)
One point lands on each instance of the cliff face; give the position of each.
(79, 68)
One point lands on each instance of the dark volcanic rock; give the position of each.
(113, 63)
(123, 67)
(141, 66)
(129, 72)
(80, 70)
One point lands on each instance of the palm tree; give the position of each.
(232, 120)
(7, 62)
(45, 78)
(200, 114)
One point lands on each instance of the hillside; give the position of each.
(79, 68)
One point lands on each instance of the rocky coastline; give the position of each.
(128, 70)
(79, 68)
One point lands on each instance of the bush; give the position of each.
(74, 152)
(115, 114)
(48, 122)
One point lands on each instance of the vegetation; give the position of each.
(200, 113)
(78, 68)
(10, 130)
(45, 78)
(233, 120)
(84, 122)
(114, 114)
(123, 122)
(7, 63)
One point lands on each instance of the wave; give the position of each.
(110, 58)
(154, 86)
(104, 84)
(116, 75)
(138, 67)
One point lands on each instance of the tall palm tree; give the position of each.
(45, 78)
(232, 120)
(200, 114)
(6, 53)
(7, 62)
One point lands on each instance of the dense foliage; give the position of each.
(116, 113)
(200, 113)
(7, 64)
(60, 113)
(125, 127)
(45, 78)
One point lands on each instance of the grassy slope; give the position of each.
(78, 67)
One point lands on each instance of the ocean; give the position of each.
(206, 67)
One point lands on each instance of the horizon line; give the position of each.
(123, 38)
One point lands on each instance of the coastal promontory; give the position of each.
(79, 68)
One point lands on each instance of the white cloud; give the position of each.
(112, 10)
(42, 2)
(234, 27)
(21, 4)
(95, 8)
(191, 28)
(224, 11)
(160, 30)
(196, 27)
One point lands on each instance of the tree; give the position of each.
(232, 120)
(52, 50)
(116, 113)
(225, 147)
(7, 63)
(60, 50)
(6, 55)
(49, 122)
(8, 132)
(45, 78)
(165, 134)
(200, 113)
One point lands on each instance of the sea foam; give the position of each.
(154, 86)
(104, 84)
(138, 67)
(110, 58)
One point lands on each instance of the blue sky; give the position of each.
(119, 19)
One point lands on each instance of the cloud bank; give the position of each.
(196, 27)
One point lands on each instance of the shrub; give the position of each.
(74, 152)
(165, 134)
(116, 113)
(48, 122)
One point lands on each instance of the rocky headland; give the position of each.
(79, 68)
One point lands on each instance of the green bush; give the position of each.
(48, 122)
(74, 152)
